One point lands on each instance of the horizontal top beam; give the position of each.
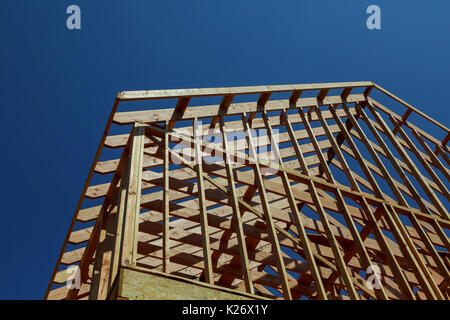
(205, 92)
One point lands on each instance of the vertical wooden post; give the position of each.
(198, 165)
(133, 196)
(166, 200)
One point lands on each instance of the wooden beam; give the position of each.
(154, 116)
(166, 200)
(223, 108)
(261, 104)
(203, 213)
(179, 111)
(205, 92)
(133, 196)
(322, 94)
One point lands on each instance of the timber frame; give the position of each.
(313, 191)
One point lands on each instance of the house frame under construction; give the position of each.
(311, 191)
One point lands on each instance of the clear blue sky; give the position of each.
(57, 86)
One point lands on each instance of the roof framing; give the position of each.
(278, 198)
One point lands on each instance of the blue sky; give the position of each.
(57, 86)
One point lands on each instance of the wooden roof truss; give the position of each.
(299, 197)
